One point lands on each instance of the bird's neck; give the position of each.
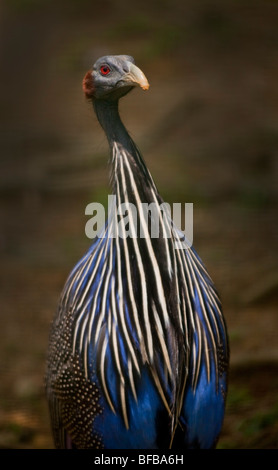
(127, 162)
(108, 116)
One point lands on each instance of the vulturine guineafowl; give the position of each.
(138, 352)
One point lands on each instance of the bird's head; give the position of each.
(112, 77)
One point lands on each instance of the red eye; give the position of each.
(104, 69)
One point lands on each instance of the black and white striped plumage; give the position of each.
(138, 352)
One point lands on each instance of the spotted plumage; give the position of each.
(138, 352)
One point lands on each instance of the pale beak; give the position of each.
(135, 76)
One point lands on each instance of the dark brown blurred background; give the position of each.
(208, 131)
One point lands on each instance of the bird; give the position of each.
(138, 353)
